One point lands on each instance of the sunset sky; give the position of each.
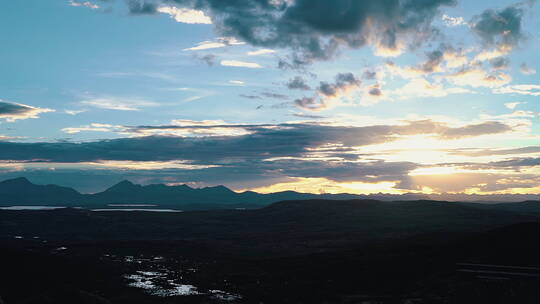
(361, 96)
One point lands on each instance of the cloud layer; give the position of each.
(15, 111)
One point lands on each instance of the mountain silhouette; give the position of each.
(21, 191)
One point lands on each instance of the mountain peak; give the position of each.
(125, 182)
(124, 185)
(20, 181)
(219, 188)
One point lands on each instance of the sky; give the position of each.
(392, 96)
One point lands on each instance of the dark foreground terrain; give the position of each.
(290, 252)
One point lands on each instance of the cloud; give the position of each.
(369, 75)
(74, 112)
(95, 127)
(328, 93)
(485, 128)
(388, 26)
(184, 15)
(153, 75)
(512, 105)
(250, 96)
(491, 54)
(241, 64)
(215, 142)
(526, 70)
(437, 61)
(521, 89)
(453, 21)
(517, 162)
(375, 90)
(476, 77)
(274, 95)
(4, 137)
(310, 116)
(499, 63)
(209, 59)
(298, 83)
(499, 28)
(119, 104)
(15, 111)
(515, 114)
(85, 4)
(503, 151)
(254, 154)
(237, 82)
(219, 43)
(420, 87)
(260, 52)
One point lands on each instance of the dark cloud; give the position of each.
(485, 128)
(266, 95)
(302, 115)
(500, 63)
(327, 92)
(209, 59)
(375, 91)
(250, 96)
(369, 75)
(265, 153)
(500, 28)
(298, 83)
(487, 152)
(373, 171)
(13, 111)
(310, 103)
(526, 70)
(435, 58)
(261, 142)
(345, 79)
(274, 95)
(316, 29)
(517, 162)
(7, 108)
(142, 7)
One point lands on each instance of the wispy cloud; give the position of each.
(84, 4)
(192, 98)
(219, 43)
(95, 127)
(241, 64)
(153, 75)
(420, 87)
(260, 52)
(476, 77)
(118, 103)
(74, 112)
(521, 89)
(512, 105)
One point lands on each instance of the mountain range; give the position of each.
(20, 191)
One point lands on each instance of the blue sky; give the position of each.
(390, 96)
